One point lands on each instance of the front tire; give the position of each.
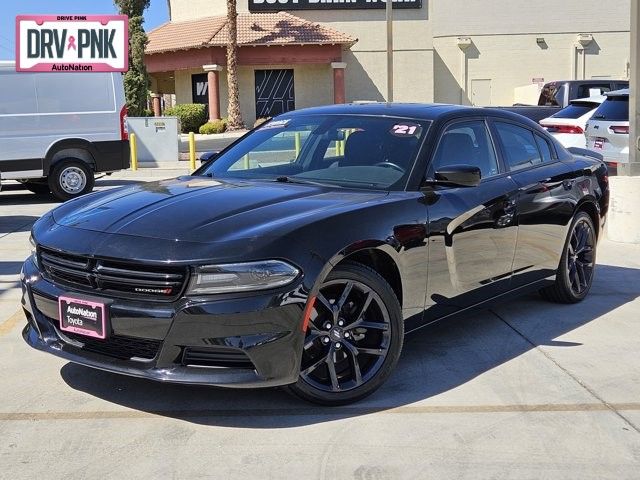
(70, 178)
(577, 264)
(354, 338)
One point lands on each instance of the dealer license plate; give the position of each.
(84, 317)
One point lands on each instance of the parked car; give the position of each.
(306, 265)
(607, 131)
(58, 129)
(557, 95)
(568, 125)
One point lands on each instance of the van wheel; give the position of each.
(70, 178)
(40, 188)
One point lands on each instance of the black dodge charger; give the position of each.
(303, 253)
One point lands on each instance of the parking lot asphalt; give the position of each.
(527, 390)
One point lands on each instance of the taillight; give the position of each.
(621, 129)
(564, 129)
(124, 133)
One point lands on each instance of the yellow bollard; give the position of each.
(133, 146)
(192, 151)
(247, 164)
(297, 142)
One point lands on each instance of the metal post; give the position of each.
(623, 222)
(192, 151)
(389, 11)
(133, 146)
(634, 98)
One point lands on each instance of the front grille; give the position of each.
(120, 279)
(221, 357)
(119, 346)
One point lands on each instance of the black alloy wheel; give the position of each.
(354, 339)
(577, 266)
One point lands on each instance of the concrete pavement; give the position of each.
(528, 390)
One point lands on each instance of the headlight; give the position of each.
(241, 277)
(34, 251)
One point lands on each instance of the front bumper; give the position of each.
(265, 329)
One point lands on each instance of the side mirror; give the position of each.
(206, 156)
(458, 176)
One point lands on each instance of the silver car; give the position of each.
(607, 131)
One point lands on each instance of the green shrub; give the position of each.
(148, 112)
(191, 115)
(217, 126)
(260, 121)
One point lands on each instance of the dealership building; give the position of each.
(300, 53)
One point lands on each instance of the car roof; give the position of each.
(418, 111)
(618, 93)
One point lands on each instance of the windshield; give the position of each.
(342, 150)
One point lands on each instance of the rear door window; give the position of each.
(545, 149)
(519, 146)
(613, 109)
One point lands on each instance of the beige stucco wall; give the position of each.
(484, 17)
(510, 61)
(430, 67)
(313, 85)
(505, 50)
(365, 76)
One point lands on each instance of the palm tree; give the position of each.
(234, 118)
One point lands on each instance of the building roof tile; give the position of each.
(253, 29)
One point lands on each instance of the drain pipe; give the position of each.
(583, 40)
(463, 44)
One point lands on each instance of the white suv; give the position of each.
(607, 131)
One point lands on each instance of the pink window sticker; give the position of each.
(405, 129)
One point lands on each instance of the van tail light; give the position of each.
(621, 129)
(124, 133)
(564, 129)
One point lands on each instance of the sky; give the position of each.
(155, 15)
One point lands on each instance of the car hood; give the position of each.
(206, 210)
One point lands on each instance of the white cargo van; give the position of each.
(58, 129)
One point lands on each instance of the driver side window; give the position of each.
(466, 143)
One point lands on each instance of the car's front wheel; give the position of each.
(354, 337)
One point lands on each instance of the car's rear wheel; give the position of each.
(577, 265)
(70, 178)
(354, 337)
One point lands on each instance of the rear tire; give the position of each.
(354, 340)
(577, 264)
(70, 178)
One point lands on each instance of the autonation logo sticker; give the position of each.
(76, 43)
